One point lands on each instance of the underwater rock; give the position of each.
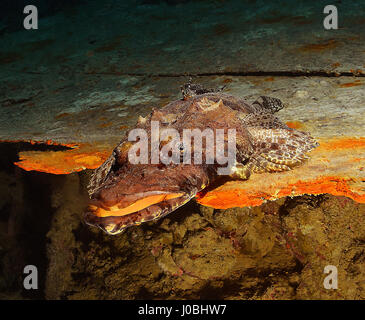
(277, 250)
(274, 251)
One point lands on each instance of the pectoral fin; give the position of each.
(240, 171)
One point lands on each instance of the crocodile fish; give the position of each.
(125, 193)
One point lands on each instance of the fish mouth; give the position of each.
(116, 218)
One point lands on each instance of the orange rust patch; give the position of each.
(269, 79)
(334, 185)
(64, 162)
(336, 64)
(62, 115)
(294, 124)
(227, 80)
(351, 84)
(316, 47)
(357, 71)
(343, 143)
(224, 199)
(106, 124)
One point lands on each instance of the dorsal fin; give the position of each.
(268, 104)
(191, 89)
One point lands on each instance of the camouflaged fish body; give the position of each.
(125, 194)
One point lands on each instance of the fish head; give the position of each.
(133, 194)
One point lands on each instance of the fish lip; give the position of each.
(113, 225)
(101, 204)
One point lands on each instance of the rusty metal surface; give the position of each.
(83, 83)
(93, 121)
(97, 108)
(129, 37)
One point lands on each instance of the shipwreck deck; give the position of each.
(78, 86)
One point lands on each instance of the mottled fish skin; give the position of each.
(263, 144)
